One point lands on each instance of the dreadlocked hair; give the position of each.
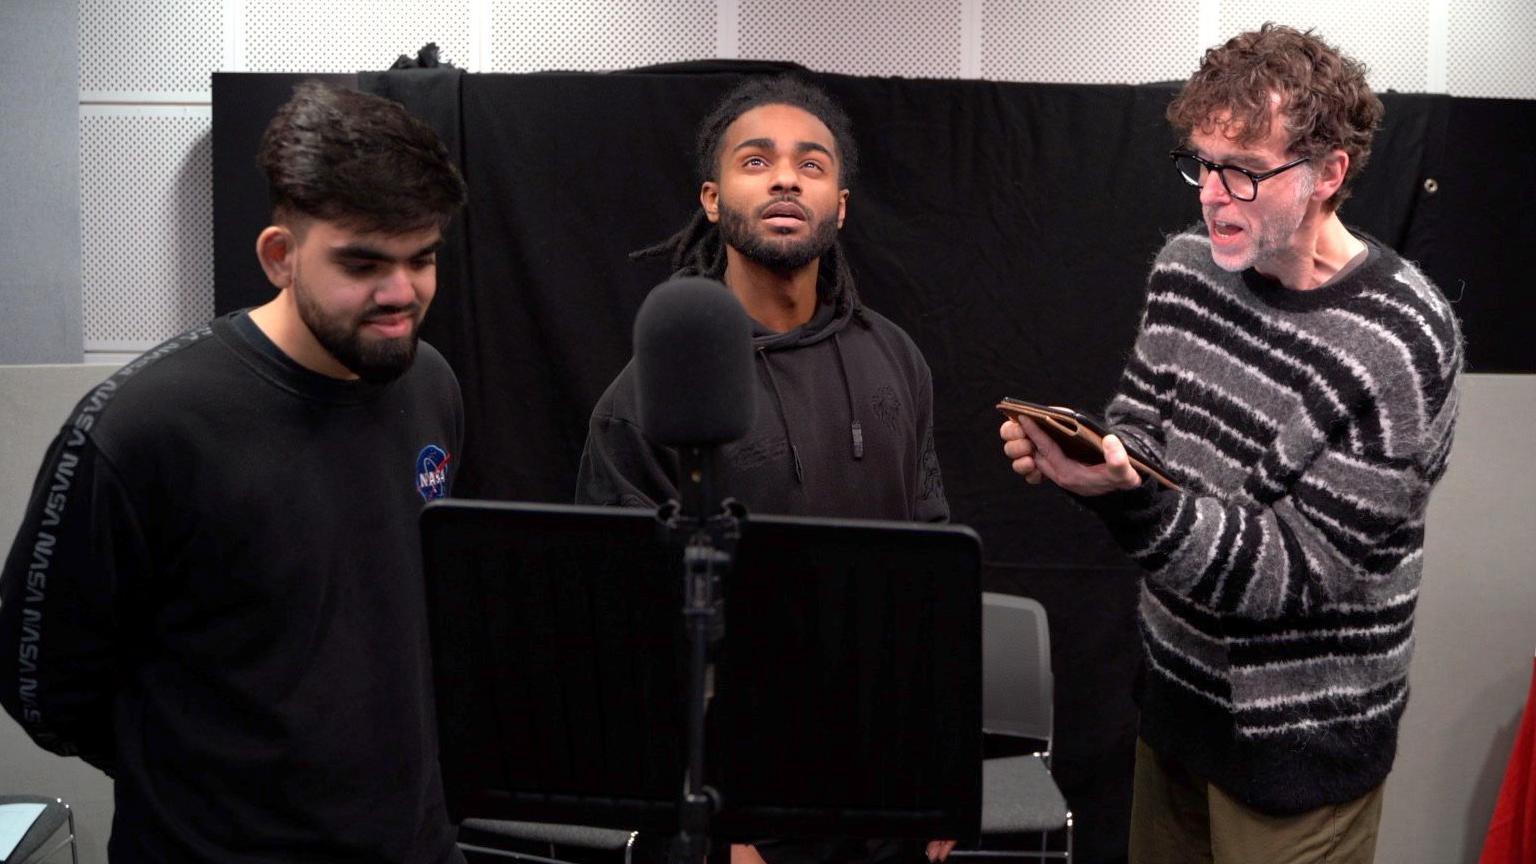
(697, 249)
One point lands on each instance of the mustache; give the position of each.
(810, 215)
(376, 311)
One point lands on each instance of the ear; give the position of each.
(709, 199)
(842, 206)
(276, 249)
(1330, 174)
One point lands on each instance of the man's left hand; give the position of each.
(1036, 456)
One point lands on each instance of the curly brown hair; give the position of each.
(1324, 97)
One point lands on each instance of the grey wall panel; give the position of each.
(34, 401)
(40, 173)
(1476, 629)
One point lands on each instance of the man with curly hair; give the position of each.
(1298, 379)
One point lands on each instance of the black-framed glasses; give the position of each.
(1240, 183)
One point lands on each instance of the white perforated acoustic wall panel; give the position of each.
(165, 47)
(909, 38)
(146, 223)
(1491, 48)
(1390, 38)
(350, 35)
(146, 215)
(594, 35)
(1124, 42)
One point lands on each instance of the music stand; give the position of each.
(846, 694)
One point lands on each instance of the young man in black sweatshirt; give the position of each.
(216, 594)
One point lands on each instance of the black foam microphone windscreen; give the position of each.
(693, 364)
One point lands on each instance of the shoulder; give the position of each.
(1404, 278)
(1188, 252)
(152, 385)
(1192, 246)
(431, 381)
(432, 361)
(432, 368)
(619, 402)
(885, 330)
(1407, 309)
(879, 343)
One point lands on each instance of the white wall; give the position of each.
(34, 400)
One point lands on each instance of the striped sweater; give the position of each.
(1306, 429)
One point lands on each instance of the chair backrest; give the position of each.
(1017, 687)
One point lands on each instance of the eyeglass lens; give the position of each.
(1239, 185)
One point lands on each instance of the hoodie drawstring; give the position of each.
(854, 427)
(773, 385)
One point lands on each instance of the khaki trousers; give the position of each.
(1177, 818)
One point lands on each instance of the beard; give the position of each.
(377, 360)
(776, 253)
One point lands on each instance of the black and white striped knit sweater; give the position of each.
(1306, 428)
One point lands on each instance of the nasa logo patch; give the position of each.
(432, 472)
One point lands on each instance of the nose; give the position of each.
(785, 177)
(396, 289)
(1213, 191)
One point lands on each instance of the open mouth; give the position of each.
(787, 212)
(1224, 230)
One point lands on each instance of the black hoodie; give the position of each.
(844, 428)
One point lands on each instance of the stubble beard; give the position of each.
(1274, 238)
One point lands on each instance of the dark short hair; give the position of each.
(1324, 97)
(776, 90)
(336, 154)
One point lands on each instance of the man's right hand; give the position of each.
(1037, 457)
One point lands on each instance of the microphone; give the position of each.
(694, 377)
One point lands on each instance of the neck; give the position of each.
(777, 300)
(278, 319)
(1319, 249)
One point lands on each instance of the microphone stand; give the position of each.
(709, 547)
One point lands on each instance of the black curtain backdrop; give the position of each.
(1007, 227)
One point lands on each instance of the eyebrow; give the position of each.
(1239, 155)
(359, 252)
(801, 147)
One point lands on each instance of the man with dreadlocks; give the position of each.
(844, 398)
(844, 420)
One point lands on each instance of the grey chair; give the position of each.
(507, 839)
(1018, 793)
(43, 837)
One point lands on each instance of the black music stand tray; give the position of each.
(847, 691)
